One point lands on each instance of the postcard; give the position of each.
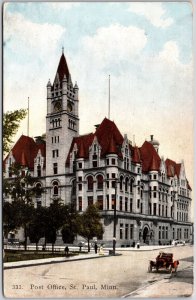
(98, 149)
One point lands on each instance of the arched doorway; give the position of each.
(146, 234)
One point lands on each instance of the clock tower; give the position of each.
(62, 120)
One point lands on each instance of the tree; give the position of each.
(11, 122)
(91, 225)
(55, 220)
(37, 226)
(21, 190)
(71, 227)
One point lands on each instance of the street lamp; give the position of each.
(114, 227)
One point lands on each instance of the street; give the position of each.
(106, 277)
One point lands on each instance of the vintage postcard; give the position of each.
(98, 149)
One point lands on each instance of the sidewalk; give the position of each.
(36, 262)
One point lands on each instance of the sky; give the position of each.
(146, 48)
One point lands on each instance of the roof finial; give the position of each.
(62, 50)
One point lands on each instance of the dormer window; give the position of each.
(95, 164)
(38, 171)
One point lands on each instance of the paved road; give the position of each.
(107, 277)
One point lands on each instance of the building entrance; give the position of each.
(146, 235)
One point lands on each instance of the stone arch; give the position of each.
(146, 233)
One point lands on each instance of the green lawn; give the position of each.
(18, 255)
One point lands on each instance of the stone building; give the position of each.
(150, 196)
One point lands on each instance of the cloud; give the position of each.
(153, 13)
(58, 6)
(114, 44)
(29, 36)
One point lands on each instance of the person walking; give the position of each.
(96, 248)
(66, 251)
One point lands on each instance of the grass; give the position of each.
(20, 255)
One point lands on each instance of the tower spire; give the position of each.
(62, 50)
(109, 100)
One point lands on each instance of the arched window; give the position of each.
(90, 183)
(38, 171)
(126, 184)
(100, 182)
(121, 183)
(55, 188)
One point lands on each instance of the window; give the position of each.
(121, 204)
(166, 232)
(90, 183)
(154, 194)
(55, 188)
(141, 208)
(100, 202)
(159, 232)
(79, 165)
(113, 161)
(113, 200)
(10, 171)
(113, 184)
(55, 168)
(131, 205)
(126, 184)
(154, 209)
(80, 178)
(131, 186)
(95, 161)
(38, 190)
(90, 200)
(80, 203)
(108, 202)
(150, 209)
(163, 232)
(126, 231)
(38, 171)
(113, 175)
(100, 182)
(138, 203)
(126, 204)
(80, 187)
(121, 183)
(131, 231)
(107, 161)
(121, 231)
(52, 139)
(55, 153)
(159, 209)
(155, 176)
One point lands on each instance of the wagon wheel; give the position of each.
(170, 269)
(149, 268)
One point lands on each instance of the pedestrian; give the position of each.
(66, 250)
(101, 250)
(96, 248)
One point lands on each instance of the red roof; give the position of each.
(136, 155)
(25, 150)
(150, 158)
(62, 69)
(172, 168)
(108, 136)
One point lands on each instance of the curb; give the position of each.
(53, 262)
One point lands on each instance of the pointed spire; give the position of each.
(76, 86)
(62, 69)
(49, 83)
(112, 146)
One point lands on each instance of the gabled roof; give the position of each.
(107, 130)
(172, 168)
(25, 150)
(150, 158)
(108, 137)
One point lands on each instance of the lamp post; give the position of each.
(114, 228)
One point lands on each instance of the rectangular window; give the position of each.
(131, 231)
(154, 194)
(138, 203)
(155, 177)
(126, 231)
(163, 232)
(107, 161)
(159, 232)
(173, 233)
(80, 203)
(53, 153)
(131, 205)
(166, 232)
(108, 202)
(108, 175)
(141, 208)
(90, 200)
(94, 163)
(113, 184)
(113, 161)
(52, 139)
(55, 139)
(154, 209)
(159, 209)
(80, 187)
(80, 178)
(100, 202)
(121, 231)
(79, 165)
(120, 203)
(58, 138)
(55, 168)
(113, 175)
(126, 204)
